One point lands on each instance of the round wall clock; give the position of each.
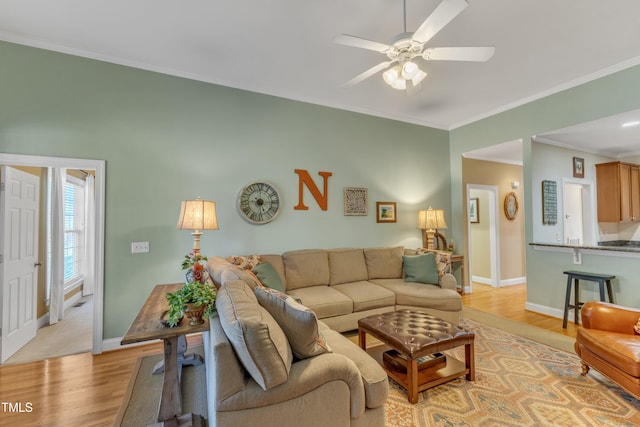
(511, 206)
(258, 202)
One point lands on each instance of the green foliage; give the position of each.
(193, 292)
(192, 259)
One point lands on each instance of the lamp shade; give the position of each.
(197, 214)
(431, 219)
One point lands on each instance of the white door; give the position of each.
(18, 259)
(572, 221)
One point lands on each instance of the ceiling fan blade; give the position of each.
(479, 54)
(441, 16)
(370, 72)
(361, 43)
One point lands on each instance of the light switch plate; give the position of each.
(139, 247)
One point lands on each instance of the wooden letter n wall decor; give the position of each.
(305, 179)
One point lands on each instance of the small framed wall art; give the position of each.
(386, 212)
(578, 167)
(511, 206)
(355, 201)
(474, 215)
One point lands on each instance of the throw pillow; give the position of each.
(443, 260)
(245, 262)
(268, 276)
(636, 327)
(256, 337)
(420, 268)
(298, 322)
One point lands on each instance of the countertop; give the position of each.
(631, 246)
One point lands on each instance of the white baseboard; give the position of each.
(514, 281)
(482, 280)
(549, 311)
(114, 344)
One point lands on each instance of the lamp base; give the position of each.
(431, 239)
(439, 238)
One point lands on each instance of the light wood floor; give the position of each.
(87, 390)
(509, 302)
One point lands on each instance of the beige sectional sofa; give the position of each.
(254, 378)
(347, 284)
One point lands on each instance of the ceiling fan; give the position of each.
(401, 70)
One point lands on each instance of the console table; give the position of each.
(148, 326)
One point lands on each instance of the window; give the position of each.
(73, 230)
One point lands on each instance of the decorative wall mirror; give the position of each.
(511, 206)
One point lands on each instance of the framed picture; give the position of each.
(474, 215)
(549, 202)
(385, 211)
(355, 201)
(578, 167)
(511, 206)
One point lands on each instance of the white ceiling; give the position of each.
(285, 47)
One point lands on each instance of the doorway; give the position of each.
(578, 206)
(98, 166)
(483, 237)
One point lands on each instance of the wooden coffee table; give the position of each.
(417, 339)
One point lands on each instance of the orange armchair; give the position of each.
(608, 343)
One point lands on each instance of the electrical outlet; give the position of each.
(139, 247)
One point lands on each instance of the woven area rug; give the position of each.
(519, 382)
(140, 403)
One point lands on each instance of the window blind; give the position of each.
(73, 229)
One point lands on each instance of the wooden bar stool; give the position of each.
(576, 276)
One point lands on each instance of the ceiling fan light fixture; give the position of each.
(391, 76)
(400, 84)
(419, 77)
(410, 70)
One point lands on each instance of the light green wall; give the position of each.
(167, 139)
(606, 96)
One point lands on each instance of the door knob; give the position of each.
(37, 264)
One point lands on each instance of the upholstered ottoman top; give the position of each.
(414, 333)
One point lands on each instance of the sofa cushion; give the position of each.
(618, 349)
(422, 295)
(324, 301)
(307, 267)
(298, 322)
(347, 265)
(239, 274)
(256, 337)
(366, 295)
(268, 276)
(384, 263)
(420, 268)
(216, 266)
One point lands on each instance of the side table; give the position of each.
(459, 259)
(148, 326)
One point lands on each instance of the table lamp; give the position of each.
(197, 215)
(430, 221)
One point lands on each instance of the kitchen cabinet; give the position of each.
(618, 188)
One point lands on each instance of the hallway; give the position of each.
(72, 335)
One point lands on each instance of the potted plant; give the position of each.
(195, 300)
